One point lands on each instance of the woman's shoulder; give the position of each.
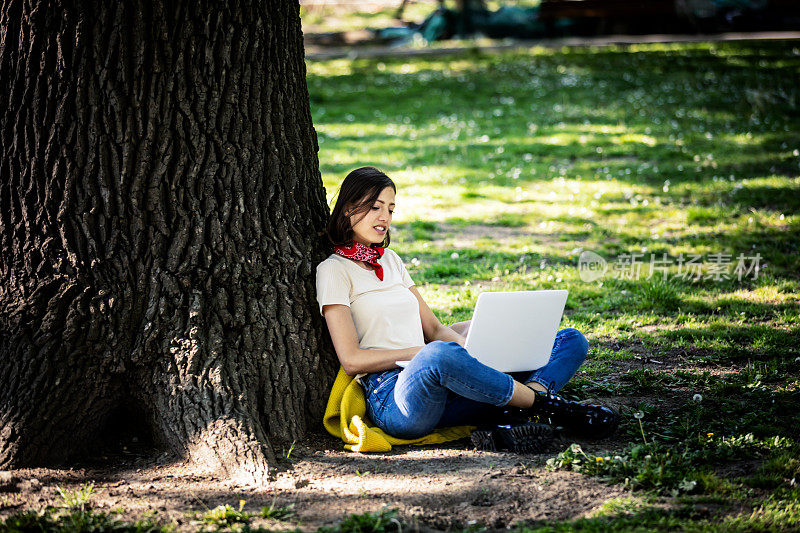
(332, 263)
(392, 255)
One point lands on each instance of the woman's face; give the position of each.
(373, 227)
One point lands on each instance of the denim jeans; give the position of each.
(444, 385)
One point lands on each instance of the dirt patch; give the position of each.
(440, 488)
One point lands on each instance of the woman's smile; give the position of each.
(374, 225)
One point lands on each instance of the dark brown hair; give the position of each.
(358, 192)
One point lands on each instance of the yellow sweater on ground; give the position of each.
(345, 417)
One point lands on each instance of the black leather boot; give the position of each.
(588, 421)
(527, 437)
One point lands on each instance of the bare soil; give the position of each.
(446, 487)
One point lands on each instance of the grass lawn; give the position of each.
(678, 165)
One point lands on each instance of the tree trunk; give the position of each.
(161, 213)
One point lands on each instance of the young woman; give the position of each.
(376, 317)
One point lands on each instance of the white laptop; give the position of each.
(514, 331)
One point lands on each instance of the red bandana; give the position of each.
(359, 252)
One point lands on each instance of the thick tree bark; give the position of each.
(160, 217)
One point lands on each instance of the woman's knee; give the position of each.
(577, 341)
(440, 354)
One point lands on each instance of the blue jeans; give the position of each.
(444, 385)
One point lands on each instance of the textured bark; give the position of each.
(160, 217)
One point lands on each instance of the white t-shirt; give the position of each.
(385, 313)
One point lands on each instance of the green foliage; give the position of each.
(273, 512)
(384, 520)
(775, 515)
(227, 517)
(287, 453)
(673, 470)
(784, 467)
(75, 517)
(643, 466)
(223, 517)
(75, 521)
(76, 499)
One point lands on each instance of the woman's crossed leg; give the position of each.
(444, 385)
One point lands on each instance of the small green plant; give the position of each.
(274, 512)
(616, 506)
(11, 500)
(78, 498)
(638, 415)
(286, 455)
(384, 520)
(224, 516)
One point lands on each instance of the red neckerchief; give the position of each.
(359, 252)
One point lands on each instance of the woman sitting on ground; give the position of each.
(376, 317)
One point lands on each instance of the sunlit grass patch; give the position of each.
(618, 506)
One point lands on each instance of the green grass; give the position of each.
(279, 512)
(382, 521)
(76, 499)
(772, 516)
(679, 165)
(76, 518)
(223, 517)
(52, 520)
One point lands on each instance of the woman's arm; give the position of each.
(354, 360)
(431, 327)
